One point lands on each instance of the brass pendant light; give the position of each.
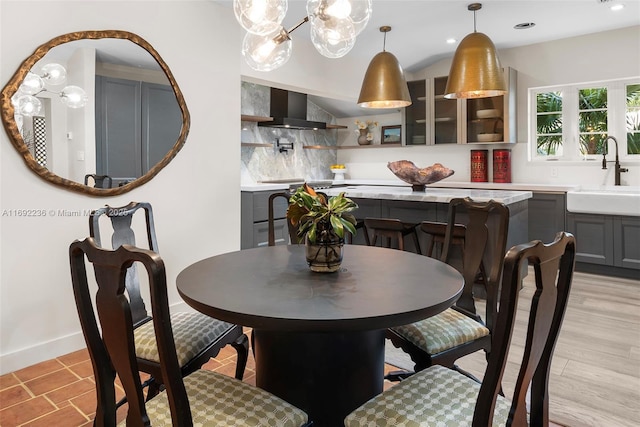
(384, 85)
(475, 70)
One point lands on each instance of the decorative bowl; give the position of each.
(488, 114)
(489, 137)
(417, 177)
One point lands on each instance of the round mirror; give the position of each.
(97, 112)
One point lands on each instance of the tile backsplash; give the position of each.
(268, 163)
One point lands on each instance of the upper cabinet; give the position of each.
(493, 119)
(415, 115)
(446, 115)
(438, 120)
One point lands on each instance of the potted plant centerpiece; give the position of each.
(322, 222)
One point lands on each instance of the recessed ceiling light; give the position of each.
(524, 25)
(451, 41)
(617, 7)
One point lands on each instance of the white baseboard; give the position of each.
(40, 352)
(55, 348)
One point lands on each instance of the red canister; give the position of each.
(479, 165)
(502, 165)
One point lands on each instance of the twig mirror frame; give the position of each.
(18, 142)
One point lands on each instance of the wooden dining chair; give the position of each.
(201, 398)
(444, 397)
(293, 238)
(99, 181)
(460, 330)
(198, 337)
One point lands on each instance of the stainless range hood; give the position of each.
(289, 110)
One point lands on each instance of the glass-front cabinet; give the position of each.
(446, 115)
(415, 115)
(492, 119)
(437, 120)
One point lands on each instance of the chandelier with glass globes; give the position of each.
(25, 100)
(335, 24)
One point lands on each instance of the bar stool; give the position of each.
(392, 229)
(359, 226)
(437, 229)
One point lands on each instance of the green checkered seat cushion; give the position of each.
(443, 331)
(219, 400)
(434, 397)
(192, 333)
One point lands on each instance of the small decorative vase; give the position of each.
(362, 138)
(324, 257)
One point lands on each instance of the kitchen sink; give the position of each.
(606, 200)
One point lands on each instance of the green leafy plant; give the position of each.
(320, 218)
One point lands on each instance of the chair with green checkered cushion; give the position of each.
(441, 397)
(460, 330)
(198, 337)
(201, 398)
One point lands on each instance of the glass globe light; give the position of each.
(16, 96)
(267, 52)
(360, 14)
(74, 97)
(54, 74)
(358, 11)
(32, 84)
(28, 105)
(254, 14)
(333, 37)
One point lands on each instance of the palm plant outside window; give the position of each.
(572, 122)
(633, 119)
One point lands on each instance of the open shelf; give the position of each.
(256, 144)
(247, 118)
(257, 119)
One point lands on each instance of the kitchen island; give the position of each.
(432, 205)
(383, 201)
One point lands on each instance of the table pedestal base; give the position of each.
(328, 375)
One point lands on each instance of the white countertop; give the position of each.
(436, 195)
(263, 187)
(562, 188)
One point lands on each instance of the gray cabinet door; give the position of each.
(254, 219)
(594, 238)
(261, 233)
(627, 242)
(118, 129)
(161, 123)
(547, 213)
(137, 123)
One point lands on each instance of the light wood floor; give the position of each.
(595, 373)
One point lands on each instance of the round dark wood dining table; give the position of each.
(318, 338)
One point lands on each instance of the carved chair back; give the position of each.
(111, 346)
(121, 220)
(483, 251)
(553, 266)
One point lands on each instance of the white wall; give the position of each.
(601, 56)
(196, 198)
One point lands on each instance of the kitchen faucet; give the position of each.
(618, 169)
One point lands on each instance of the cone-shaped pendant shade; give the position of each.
(475, 71)
(384, 85)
